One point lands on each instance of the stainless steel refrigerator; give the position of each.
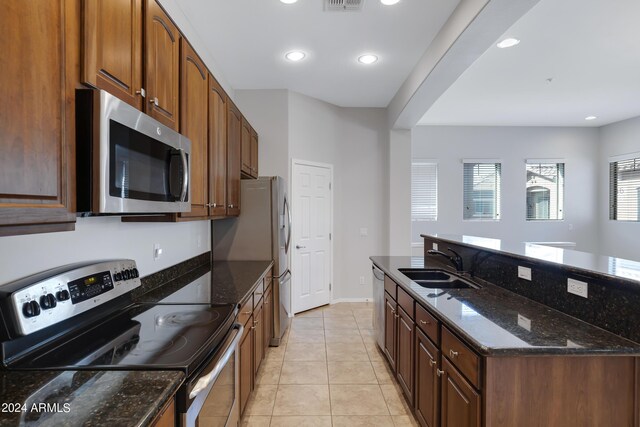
(261, 232)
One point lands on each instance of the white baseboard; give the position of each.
(337, 300)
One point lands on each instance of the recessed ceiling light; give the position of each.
(288, 1)
(590, 118)
(295, 55)
(510, 42)
(367, 59)
(389, 2)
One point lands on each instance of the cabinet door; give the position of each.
(194, 88)
(254, 153)
(427, 386)
(390, 327)
(268, 318)
(217, 148)
(37, 123)
(162, 60)
(258, 333)
(246, 147)
(460, 402)
(234, 135)
(405, 338)
(246, 365)
(168, 416)
(112, 48)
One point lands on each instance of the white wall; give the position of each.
(268, 113)
(617, 238)
(577, 146)
(356, 142)
(99, 238)
(400, 193)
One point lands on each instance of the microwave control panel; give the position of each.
(67, 292)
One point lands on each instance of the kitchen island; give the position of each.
(491, 357)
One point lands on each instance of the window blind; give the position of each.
(424, 191)
(624, 190)
(481, 193)
(545, 191)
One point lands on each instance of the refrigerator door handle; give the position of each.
(286, 207)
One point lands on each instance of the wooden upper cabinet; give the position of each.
(37, 115)
(234, 138)
(246, 147)
(217, 148)
(194, 88)
(162, 59)
(112, 45)
(254, 153)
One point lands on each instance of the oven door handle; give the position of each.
(204, 381)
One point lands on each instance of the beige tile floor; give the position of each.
(328, 372)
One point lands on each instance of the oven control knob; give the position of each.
(31, 309)
(62, 295)
(127, 275)
(117, 277)
(48, 301)
(135, 273)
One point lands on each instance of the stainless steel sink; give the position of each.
(431, 278)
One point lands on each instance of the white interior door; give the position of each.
(311, 208)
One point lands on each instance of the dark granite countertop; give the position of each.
(87, 398)
(497, 322)
(223, 282)
(626, 271)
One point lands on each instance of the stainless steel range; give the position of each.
(81, 316)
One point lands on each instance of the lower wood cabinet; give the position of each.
(427, 387)
(246, 365)
(390, 328)
(258, 336)
(405, 338)
(268, 314)
(167, 417)
(460, 402)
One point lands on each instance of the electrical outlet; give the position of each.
(578, 288)
(362, 280)
(524, 273)
(157, 251)
(435, 246)
(524, 322)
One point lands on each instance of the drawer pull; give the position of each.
(425, 322)
(397, 315)
(253, 327)
(439, 372)
(255, 322)
(432, 362)
(453, 353)
(247, 312)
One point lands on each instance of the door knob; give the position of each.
(300, 247)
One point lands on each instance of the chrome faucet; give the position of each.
(456, 260)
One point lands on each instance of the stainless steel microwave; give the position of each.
(126, 161)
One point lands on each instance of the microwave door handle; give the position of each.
(206, 380)
(185, 176)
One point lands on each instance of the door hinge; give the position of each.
(329, 186)
(329, 286)
(329, 236)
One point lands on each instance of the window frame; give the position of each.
(633, 160)
(425, 218)
(558, 187)
(496, 164)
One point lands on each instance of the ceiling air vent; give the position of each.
(343, 5)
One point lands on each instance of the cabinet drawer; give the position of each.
(406, 302)
(462, 357)
(390, 286)
(427, 323)
(246, 310)
(257, 294)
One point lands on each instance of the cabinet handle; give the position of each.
(231, 206)
(255, 322)
(397, 315)
(453, 353)
(247, 312)
(425, 322)
(253, 327)
(432, 362)
(154, 101)
(439, 372)
(141, 92)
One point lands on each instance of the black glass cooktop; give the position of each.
(144, 336)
